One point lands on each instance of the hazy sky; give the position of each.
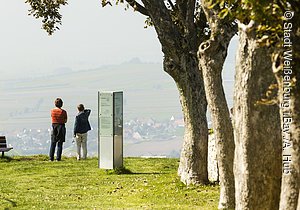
(91, 36)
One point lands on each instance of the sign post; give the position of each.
(110, 129)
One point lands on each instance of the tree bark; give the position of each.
(295, 127)
(289, 199)
(181, 63)
(257, 132)
(289, 115)
(295, 136)
(286, 66)
(193, 160)
(212, 54)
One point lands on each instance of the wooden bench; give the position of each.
(3, 145)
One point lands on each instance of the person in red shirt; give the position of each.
(58, 135)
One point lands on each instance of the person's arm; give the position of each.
(87, 111)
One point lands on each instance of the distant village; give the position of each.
(139, 130)
(136, 131)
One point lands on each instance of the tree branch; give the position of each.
(247, 27)
(187, 10)
(186, 16)
(167, 31)
(190, 18)
(138, 7)
(171, 4)
(218, 26)
(190, 13)
(48, 11)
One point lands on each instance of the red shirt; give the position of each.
(58, 116)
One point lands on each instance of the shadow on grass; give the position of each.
(24, 158)
(213, 183)
(6, 159)
(13, 203)
(149, 173)
(119, 171)
(123, 170)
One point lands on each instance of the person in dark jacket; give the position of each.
(81, 127)
(58, 134)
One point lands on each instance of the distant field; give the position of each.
(32, 182)
(148, 93)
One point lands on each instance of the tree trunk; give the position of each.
(295, 104)
(257, 132)
(193, 160)
(212, 55)
(288, 77)
(289, 115)
(180, 62)
(289, 199)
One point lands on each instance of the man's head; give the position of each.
(80, 107)
(58, 103)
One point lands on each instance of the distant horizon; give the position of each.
(65, 69)
(96, 37)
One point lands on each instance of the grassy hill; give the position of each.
(31, 182)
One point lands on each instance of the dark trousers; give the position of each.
(59, 150)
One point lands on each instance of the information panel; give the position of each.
(106, 114)
(118, 113)
(110, 129)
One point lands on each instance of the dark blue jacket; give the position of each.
(82, 124)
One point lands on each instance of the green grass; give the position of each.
(32, 182)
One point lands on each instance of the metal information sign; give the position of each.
(106, 114)
(110, 129)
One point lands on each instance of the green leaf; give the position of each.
(223, 13)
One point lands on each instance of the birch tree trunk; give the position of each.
(257, 132)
